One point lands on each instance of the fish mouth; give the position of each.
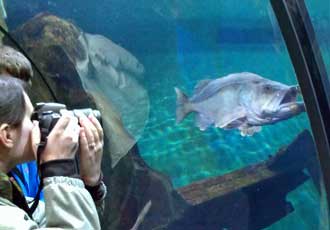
(285, 105)
(283, 99)
(290, 103)
(290, 96)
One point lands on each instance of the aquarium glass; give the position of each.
(126, 58)
(320, 16)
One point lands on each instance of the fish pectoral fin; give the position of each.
(249, 130)
(232, 120)
(229, 123)
(203, 121)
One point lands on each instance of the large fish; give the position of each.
(244, 101)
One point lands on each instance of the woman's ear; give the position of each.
(7, 135)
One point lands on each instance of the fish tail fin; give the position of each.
(182, 105)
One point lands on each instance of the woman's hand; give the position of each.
(91, 150)
(62, 142)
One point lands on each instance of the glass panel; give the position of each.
(254, 167)
(319, 12)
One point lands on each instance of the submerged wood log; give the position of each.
(253, 197)
(295, 157)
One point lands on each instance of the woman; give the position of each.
(14, 63)
(67, 203)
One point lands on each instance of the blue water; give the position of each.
(189, 153)
(183, 42)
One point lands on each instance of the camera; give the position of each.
(49, 113)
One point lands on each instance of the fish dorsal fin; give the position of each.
(215, 85)
(200, 85)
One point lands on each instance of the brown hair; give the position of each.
(15, 63)
(12, 102)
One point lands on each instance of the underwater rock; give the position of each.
(48, 30)
(51, 43)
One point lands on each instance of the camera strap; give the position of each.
(34, 206)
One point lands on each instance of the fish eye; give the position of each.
(267, 88)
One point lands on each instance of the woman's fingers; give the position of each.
(90, 131)
(91, 149)
(63, 122)
(98, 126)
(73, 129)
(83, 140)
(62, 142)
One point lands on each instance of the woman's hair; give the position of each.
(14, 63)
(12, 101)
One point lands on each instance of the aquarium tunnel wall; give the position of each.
(205, 126)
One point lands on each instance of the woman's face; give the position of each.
(25, 148)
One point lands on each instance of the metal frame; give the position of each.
(305, 54)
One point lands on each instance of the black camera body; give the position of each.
(49, 113)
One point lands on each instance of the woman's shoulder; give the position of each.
(12, 217)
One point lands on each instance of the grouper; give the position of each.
(243, 101)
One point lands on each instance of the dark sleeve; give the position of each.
(97, 192)
(62, 167)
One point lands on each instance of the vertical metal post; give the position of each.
(306, 58)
